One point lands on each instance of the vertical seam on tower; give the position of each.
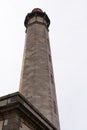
(50, 91)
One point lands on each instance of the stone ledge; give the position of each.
(17, 102)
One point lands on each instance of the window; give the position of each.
(1, 125)
(49, 57)
(52, 81)
(54, 104)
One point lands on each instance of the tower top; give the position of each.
(36, 12)
(37, 9)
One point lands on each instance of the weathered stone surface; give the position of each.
(37, 80)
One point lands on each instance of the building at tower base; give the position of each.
(16, 113)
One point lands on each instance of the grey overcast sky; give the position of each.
(68, 40)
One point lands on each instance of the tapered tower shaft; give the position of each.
(37, 80)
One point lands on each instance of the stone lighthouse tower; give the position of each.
(34, 107)
(37, 80)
